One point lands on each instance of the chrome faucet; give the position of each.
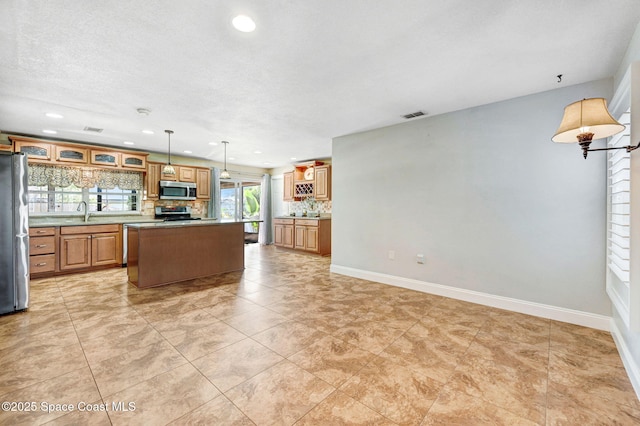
(86, 210)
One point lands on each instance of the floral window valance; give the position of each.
(63, 176)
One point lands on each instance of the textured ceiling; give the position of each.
(312, 70)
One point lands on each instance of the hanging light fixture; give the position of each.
(225, 174)
(586, 120)
(168, 168)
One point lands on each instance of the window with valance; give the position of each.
(59, 189)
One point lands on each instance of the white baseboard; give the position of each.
(586, 319)
(630, 364)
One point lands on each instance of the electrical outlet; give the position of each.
(420, 258)
(392, 255)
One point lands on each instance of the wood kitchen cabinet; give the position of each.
(311, 179)
(283, 232)
(322, 183)
(200, 176)
(71, 154)
(152, 179)
(105, 158)
(36, 151)
(288, 187)
(311, 235)
(203, 183)
(90, 246)
(42, 250)
(68, 153)
(133, 161)
(186, 174)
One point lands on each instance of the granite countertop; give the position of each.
(35, 222)
(304, 217)
(183, 223)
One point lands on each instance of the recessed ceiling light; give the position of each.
(244, 23)
(293, 158)
(213, 143)
(232, 158)
(50, 132)
(148, 132)
(257, 152)
(187, 152)
(54, 115)
(266, 163)
(128, 143)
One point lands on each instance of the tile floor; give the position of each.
(286, 342)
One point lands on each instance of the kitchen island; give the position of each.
(168, 252)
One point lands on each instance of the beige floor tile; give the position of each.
(572, 406)
(219, 411)
(340, 409)
(591, 378)
(518, 390)
(172, 329)
(392, 390)
(280, 395)
(126, 339)
(256, 320)
(371, 336)
(431, 348)
(513, 326)
(355, 352)
(19, 371)
(510, 354)
(110, 325)
(289, 337)
(457, 408)
(236, 363)
(53, 398)
(599, 347)
(163, 398)
(328, 322)
(85, 417)
(231, 307)
(196, 343)
(332, 359)
(117, 373)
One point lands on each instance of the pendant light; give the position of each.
(225, 174)
(168, 168)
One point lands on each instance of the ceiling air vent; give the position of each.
(413, 115)
(93, 129)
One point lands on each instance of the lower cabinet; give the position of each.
(283, 232)
(90, 246)
(42, 250)
(312, 235)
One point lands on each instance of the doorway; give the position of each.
(240, 200)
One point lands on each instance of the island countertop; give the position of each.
(183, 223)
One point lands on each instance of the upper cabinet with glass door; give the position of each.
(36, 151)
(42, 151)
(71, 154)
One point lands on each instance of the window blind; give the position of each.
(618, 164)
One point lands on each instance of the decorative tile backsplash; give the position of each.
(198, 208)
(298, 207)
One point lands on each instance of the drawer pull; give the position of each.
(41, 245)
(41, 264)
(40, 231)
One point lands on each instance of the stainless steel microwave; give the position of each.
(170, 190)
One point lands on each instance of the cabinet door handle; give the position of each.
(41, 245)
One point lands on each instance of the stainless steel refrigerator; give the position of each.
(14, 233)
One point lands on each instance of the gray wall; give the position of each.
(484, 194)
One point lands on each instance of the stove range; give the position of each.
(174, 213)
